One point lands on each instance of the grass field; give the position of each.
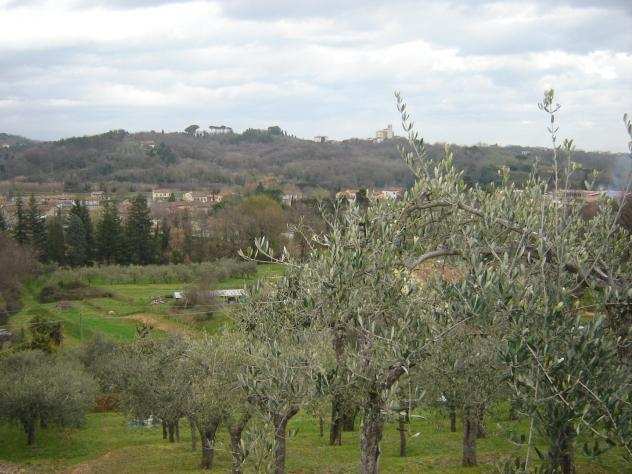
(117, 317)
(108, 445)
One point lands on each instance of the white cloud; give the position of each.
(472, 71)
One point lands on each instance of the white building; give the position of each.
(202, 197)
(290, 198)
(389, 193)
(320, 139)
(384, 134)
(161, 194)
(221, 130)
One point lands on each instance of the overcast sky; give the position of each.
(471, 71)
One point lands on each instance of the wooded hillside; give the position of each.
(179, 158)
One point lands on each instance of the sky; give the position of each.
(470, 70)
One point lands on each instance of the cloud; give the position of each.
(472, 71)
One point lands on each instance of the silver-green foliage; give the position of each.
(39, 389)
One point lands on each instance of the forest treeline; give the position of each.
(125, 159)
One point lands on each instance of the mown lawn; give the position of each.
(107, 444)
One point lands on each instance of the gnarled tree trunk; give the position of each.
(207, 438)
(561, 454)
(372, 429)
(470, 431)
(236, 449)
(280, 421)
(335, 429)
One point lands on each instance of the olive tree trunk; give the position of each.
(29, 429)
(470, 431)
(335, 429)
(280, 421)
(193, 434)
(452, 419)
(402, 427)
(372, 429)
(348, 419)
(171, 429)
(236, 449)
(561, 455)
(481, 431)
(207, 438)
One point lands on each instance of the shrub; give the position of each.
(174, 273)
(70, 290)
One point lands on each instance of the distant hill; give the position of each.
(7, 139)
(180, 159)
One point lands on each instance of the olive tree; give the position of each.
(218, 396)
(38, 389)
(284, 356)
(534, 255)
(155, 381)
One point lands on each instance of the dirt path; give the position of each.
(92, 466)
(6, 468)
(159, 323)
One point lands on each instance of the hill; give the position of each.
(153, 158)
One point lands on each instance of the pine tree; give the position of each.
(56, 242)
(140, 242)
(109, 235)
(36, 228)
(81, 211)
(77, 243)
(20, 231)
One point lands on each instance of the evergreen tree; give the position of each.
(20, 231)
(77, 243)
(36, 228)
(56, 242)
(81, 211)
(141, 248)
(109, 236)
(163, 240)
(3, 222)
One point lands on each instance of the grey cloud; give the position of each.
(329, 67)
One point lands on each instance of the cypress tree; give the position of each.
(109, 235)
(3, 222)
(163, 240)
(81, 211)
(77, 244)
(20, 231)
(36, 228)
(56, 242)
(140, 242)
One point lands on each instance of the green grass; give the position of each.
(117, 317)
(108, 444)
